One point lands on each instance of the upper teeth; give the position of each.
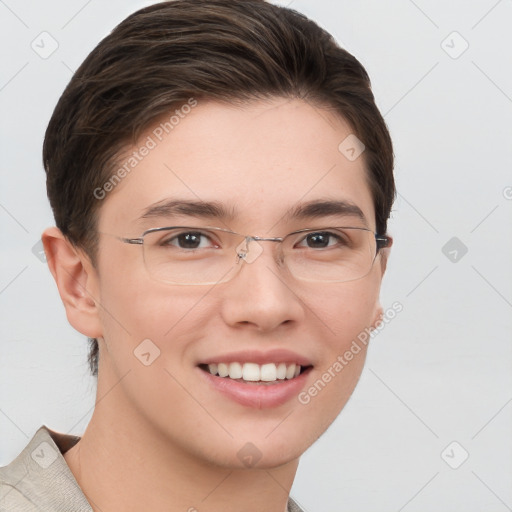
(255, 372)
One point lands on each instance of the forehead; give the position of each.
(258, 161)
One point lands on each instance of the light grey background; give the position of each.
(439, 372)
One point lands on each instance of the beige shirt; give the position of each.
(39, 479)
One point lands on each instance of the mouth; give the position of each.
(254, 373)
(257, 380)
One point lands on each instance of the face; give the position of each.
(258, 163)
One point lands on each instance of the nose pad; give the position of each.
(248, 250)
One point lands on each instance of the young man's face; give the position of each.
(259, 163)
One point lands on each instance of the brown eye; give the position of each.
(320, 240)
(188, 240)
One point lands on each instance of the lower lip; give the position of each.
(259, 396)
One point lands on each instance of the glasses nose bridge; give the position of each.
(244, 249)
(265, 239)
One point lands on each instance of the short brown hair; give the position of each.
(225, 50)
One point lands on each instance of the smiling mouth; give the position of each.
(253, 373)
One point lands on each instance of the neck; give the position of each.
(122, 463)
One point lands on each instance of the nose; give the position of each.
(261, 296)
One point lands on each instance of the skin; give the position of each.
(160, 438)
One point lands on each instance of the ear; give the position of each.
(77, 281)
(383, 255)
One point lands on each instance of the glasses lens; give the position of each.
(190, 255)
(331, 254)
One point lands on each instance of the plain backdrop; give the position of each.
(429, 425)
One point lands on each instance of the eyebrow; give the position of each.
(201, 209)
(216, 210)
(325, 208)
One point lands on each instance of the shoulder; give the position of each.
(39, 478)
(293, 507)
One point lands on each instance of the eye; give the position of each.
(321, 240)
(189, 240)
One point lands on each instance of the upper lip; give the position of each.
(259, 357)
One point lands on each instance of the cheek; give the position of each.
(147, 311)
(147, 332)
(346, 313)
(345, 309)
(136, 308)
(131, 302)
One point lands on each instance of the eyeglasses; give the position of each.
(185, 255)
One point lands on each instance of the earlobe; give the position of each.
(76, 281)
